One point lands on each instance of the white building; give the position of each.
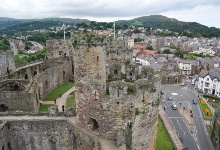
(185, 66)
(204, 51)
(209, 81)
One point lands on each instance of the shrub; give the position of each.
(202, 102)
(207, 111)
(137, 111)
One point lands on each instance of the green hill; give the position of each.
(162, 22)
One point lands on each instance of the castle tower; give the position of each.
(90, 79)
(7, 63)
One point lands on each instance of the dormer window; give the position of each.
(207, 79)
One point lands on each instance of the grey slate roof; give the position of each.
(213, 73)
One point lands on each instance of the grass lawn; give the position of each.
(44, 108)
(203, 107)
(54, 94)
(70, 101)
(163, 141)
(209, 128)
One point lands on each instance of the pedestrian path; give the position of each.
(62, 99)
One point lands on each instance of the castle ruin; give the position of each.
(116, 99)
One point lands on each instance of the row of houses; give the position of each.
(209, 81)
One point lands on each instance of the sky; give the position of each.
(206, 12)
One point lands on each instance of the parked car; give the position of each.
(183, 84)
(169, 98)
(174, 107)
(194, 101)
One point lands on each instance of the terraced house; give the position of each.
(209, 81)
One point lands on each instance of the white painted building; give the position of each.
(204, 51)
(209, 81)
(185, 66)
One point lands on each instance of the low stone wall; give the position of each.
(45, 134)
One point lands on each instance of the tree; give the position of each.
(167, 51)
(149, 47)
(179, 54)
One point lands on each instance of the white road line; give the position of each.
(198, 146)
(180, 126)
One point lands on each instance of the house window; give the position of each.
(207, 79)
(207, 84)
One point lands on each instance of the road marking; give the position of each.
(198, 146)
(180, 126)
(174, 94)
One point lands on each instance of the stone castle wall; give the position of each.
(38, 87)
(56, 49)
(113, 114)
(7, 63)
(45, 134)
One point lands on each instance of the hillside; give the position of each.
(10, 25)
(162, 22)
(4, 22)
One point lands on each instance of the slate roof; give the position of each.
(213, 73)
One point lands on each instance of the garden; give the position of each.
(207, 114)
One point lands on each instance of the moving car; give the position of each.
(194, 101)
(174, 107)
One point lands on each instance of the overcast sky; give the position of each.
(206, 12)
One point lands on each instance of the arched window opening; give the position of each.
(3, 108)
(93, 124)
(26, 76)
(16, 87)
(97, 58)
(46, 84)
(35, 73)
(64, 75)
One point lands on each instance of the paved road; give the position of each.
(195, 137)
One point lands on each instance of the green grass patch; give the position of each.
(209, 128)
(203, 107)
(54, 94)
(70, 100)
(44, 108)
(163, 141)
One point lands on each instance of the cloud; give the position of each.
(105, 10)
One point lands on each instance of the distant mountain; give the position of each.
(153, 21)
(162, 22)
(5, 22)
(11, 26)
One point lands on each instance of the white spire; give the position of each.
(64, 31)
(114, 30)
